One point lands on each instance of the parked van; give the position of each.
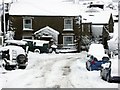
(39, 46)
(13, 57)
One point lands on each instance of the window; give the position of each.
(86, 27)
(67, 40)
(27, 24)
(68, 24)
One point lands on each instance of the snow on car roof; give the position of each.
(19, 42)
(5, 1)
(11, 48)
(18, 49)
(97, 50)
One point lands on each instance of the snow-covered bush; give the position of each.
(10, 35)
(86, 41)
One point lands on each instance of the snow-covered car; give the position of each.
(20, 43)
(96, 57)
(13, 57)
(106, 74)
(94, 64)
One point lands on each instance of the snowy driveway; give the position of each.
(54, 71)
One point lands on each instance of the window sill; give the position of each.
(67, 29)
(27, 29)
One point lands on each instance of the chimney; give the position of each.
(14, 1)
(76, 1)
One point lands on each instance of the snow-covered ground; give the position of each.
(56, 71)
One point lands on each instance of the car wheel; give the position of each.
(37, 51)
(21, 59)
(21, 67)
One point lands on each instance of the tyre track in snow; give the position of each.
(63, 68)
(54, 68)
(45, 73)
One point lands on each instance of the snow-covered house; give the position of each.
(99, 23)
(98, 4)
(54, 20)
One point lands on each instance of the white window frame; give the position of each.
(64, 40)
(26, 18)
(69, 25)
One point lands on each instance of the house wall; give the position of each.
(86, 29)
(38, 22)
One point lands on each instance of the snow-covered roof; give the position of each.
(98, 2)
(6, 1)
(47, 28)
(44, 8)
(90, 10)
(96, 17)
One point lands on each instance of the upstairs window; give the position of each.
(68, 24)
(27, 24)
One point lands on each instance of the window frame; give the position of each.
(67, 36)
(26, 18)
(68, 25)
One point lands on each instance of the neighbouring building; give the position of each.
(99, 23)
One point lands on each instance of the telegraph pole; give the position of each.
(4, 21)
